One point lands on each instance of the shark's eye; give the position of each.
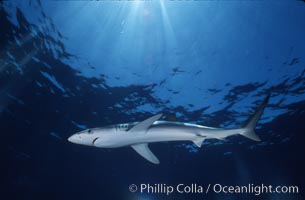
(89, 131)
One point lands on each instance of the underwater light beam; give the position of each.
(166, 21)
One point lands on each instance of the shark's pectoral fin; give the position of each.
(145, 152)
(144, 125)
(198, 142)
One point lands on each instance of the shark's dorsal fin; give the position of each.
(144, 125)
(145, 152)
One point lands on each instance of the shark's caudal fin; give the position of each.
(248, 129)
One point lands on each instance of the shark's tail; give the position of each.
(248, 129)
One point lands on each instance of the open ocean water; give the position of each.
(66, 66)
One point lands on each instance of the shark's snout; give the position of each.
(73, 138)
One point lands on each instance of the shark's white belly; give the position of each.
(165, 135)
(152, 135)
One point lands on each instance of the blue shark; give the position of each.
(138, 135)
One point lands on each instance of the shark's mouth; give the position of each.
(94, 140)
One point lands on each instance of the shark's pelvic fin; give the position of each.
(144, 125)
(145, 152)
(198, 142)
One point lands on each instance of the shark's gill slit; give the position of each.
(94, 140)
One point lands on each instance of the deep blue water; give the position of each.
(68, 66)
